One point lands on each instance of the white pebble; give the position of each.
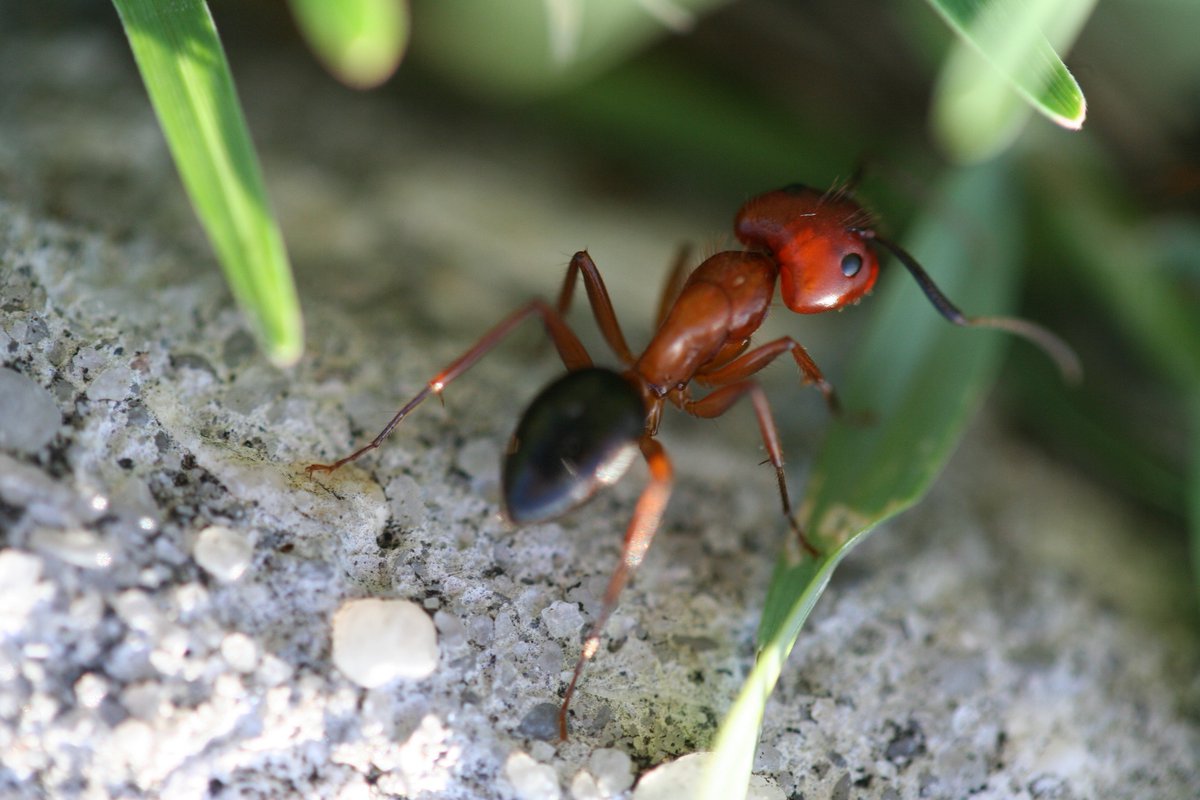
(90, 690)
(138, 611)
(240, 652)
(274, 671)
(532, 781)
(583, 787)
(20, 588)
(613, 770)
(223, 552)
(376, 641)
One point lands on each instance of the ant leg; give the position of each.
(602, 308)
(642, 527)
(675, 279)
(749, 363)
(572, 352)
(718, 402)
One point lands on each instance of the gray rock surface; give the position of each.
(1020, 634)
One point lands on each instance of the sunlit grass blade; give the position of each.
(186, 75)
(1004, 65)
(1194, 492)
(920, 378)
(1193, 503)
(359, 41)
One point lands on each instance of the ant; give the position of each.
(585, 429)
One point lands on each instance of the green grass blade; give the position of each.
(1004, 66)
(921, 378)
(359, 41)
(1194, 493)
(183, 66)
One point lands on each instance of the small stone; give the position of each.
(479, 458)
(613, 770)
(452, 633)
(583, 787)
(274, 671)
(563, 620)
(90, 690)
(20, 588)
(531, 780)
(223, 552)
(481, 629)
(113, 384)
(31, 416)
(240, 652)
(540, 723)
(76, 546)
(376, 641)
(138, 611)
(405, 499)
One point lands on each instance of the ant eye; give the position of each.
(851, 264)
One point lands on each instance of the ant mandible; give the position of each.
(585, 429)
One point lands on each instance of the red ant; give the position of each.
(584, 430)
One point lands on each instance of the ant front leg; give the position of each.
(720, 401)
(749, 363)
(642, 527)
(570, 349)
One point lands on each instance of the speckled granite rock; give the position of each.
(1018, 635)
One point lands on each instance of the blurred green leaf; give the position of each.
(1005, 65)
(186, 75)
(1122, 262)
(521, 48)
(1087, 428)
(673, 117)
(359, 41)
(921, 378)
(1133, 269)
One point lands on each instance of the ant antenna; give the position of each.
(856, 177)
(1055, 348)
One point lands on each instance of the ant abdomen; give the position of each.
(578, 436)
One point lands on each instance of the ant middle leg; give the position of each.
(570, 350)
(751, 362)
(718, 402)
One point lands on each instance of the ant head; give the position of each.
(820, 242)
